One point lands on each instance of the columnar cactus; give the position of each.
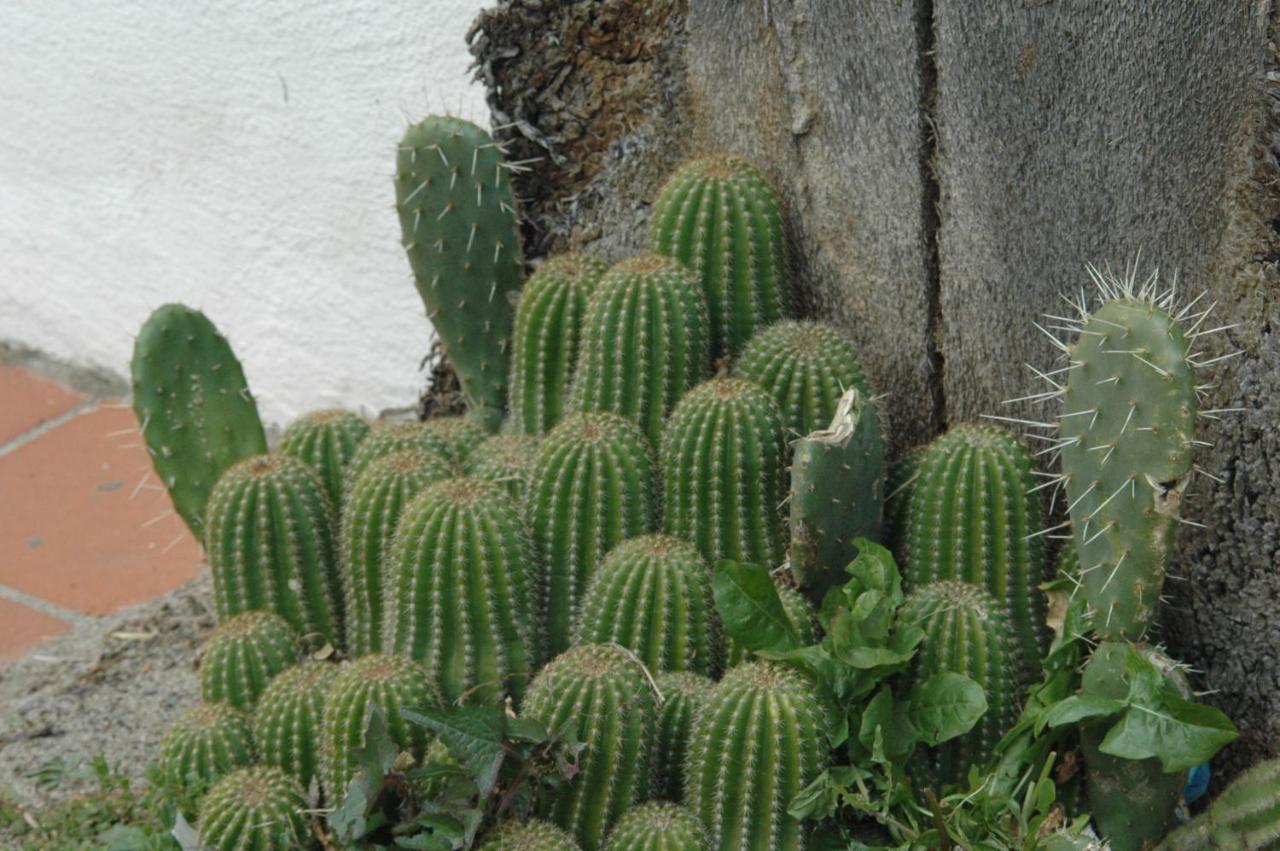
(548, 326)
(1245, 815)
(388, 436)
(326, 440)
(259, 808)
(392, 683)
(506, 460)
(603, 692)
(837, 494)
(461, 584)
(193, 405)
(531, 835)
(205, 743)
(270, 546)
(806, 367)
(375, 500)
(724, 461)
(459, 436)
(657, 826)
(591, 488)
(798, 610)
(719, 217)
(652, 595)
(759, 740)
(462, 235)
(900, 478)
(966, 631)
(683, 695)
(287, 720)
(972, 517)
(644, 342)
(242, 655)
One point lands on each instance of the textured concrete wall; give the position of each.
(238, 160)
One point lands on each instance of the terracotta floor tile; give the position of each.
(28, 399)
(76, 526)
(22, 628)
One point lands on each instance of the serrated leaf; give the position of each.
(750, 608)
(1179, 733)
(945, 706)
(474, 736)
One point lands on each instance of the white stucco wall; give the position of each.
(237, 160)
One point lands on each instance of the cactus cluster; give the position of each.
(531, 835)
(506, 460)
(683, 696)
(326, 440)
(287, 720)
(390, 436)
(205, 743)
(259, 808)
(243, 654)
(657, 826)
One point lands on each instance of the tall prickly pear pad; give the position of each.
(548, 325)
(242, 655)
(461, 232)
(194, 406)
(683, 695)
(605, 694)
(286, 723)
(657, 826)
(759, 740)
(1245, 815)
(259, 808)
(837, 494)
(326, 440)
(720, 217)
(644, 342)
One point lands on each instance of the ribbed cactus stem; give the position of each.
(390, 436)
(259, 808)
(1245, 815)
(657, 826)
(759, 740)
(459, 436)
(270, 545)
(719, 217)
(531, 835)
(287, 720)
(205, 743)
(683, 695)
(724, 461)
(506, 460)
(462, 578)
(375, 500)
(592, 487)
(242, 655)
(652, 595)
(604, 695)
(548, 327)
(644, 342)
(326, 440)
(799, 611)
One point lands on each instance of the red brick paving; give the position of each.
(22, 628)
(28, 399)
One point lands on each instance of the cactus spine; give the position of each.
(724, 462)
(797, 609)
(458, 217)
(759, 740)
(531, 835)
(966, 631)
(394, 684)
(254, 809)
(461, 591)
(387, 437)
(270, 546)
(204, 743)
(592, 487)
(459, 436)
(326, 440)
(837, 494)
(719, 217)
(506, 460)
(375, 501)
(683, 695)
(652, 595)
(644, 342)
(972, 517)
(604, 692)
(1245, 815)
(193, 404)
(286, 723)
(242, 655)
(806, 367)
(657, 826)
(548, 326)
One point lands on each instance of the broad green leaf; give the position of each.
(1146, 680)
(1179, 733)
(874, 568)
(818, 800)
(945, 706)
(750, 608)
(898, 735)
(1078, 707)
(474, 736)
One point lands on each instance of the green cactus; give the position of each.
(724, 461)
(531, 835)
(461, 232)
(388, 436)
(270, 546)
(391, 682)
(719, 217)
(548, 327)
(1245, 815)
(837, 495)
(803, 617)
(603, 693)
(900, 478)
(205, 743)
(461, 583)
(244, 653)
(459, 437)
(683, 695)
(657, 826)
(972, 517)
(375, 500)
(806, 367)
(592, 487)
(193, 405)
(644, 342)
(966, 631)
(287, 720)
(326, 440)
(506, 460)
(652, 595)
(259, 808)
(759, 740)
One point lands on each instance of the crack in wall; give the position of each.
(929, 214)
